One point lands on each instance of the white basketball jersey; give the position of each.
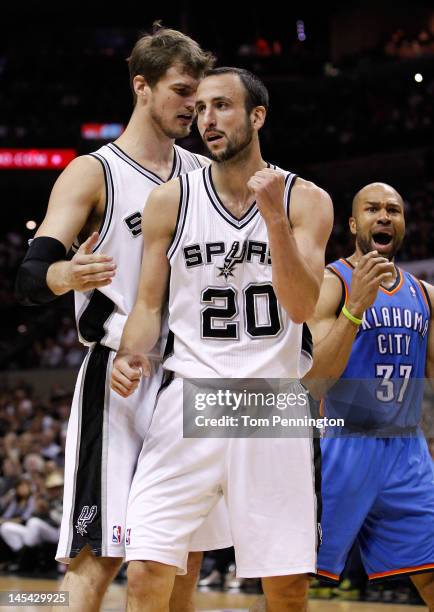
(101, 314)
(224, 318)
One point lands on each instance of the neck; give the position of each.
(145, 142)
(231, 177)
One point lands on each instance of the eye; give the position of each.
(200, 108)
(222, 105)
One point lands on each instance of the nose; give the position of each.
(190, 102)
(384, 216)
(208, 119)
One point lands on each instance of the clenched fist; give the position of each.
(127, 372)
(370, 271)
(268, 185)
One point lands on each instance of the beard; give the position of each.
(236, 144)
(365, 245)
(168, 130)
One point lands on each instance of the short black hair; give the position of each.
(256, 92)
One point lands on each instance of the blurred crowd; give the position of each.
(404, 45)
(32, 447)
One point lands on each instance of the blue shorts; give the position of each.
(380, 492)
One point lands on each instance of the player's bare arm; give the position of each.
(333, 333)
(75, 208)
(429, 370)
(142, 329)
(302, 242)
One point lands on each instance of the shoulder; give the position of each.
(429, 290)
(332, 282)
(85, 163)
(84, 172)
(309, 204)
(162, 205)
(166, 193)
(309, 192)
(330, 295)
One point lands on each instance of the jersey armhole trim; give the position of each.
(344, 294)
(182, 213)
(109, 200)
(289, 183)
(197, 160)
(425, 295)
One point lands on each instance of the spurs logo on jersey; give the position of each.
(223, 312)
(101, 314)
(228, 256)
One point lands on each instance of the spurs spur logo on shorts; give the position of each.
(319, 533)
(128, 537)
(87, 515)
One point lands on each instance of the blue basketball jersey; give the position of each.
(381, 388)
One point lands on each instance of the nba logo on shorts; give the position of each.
(128, 537)
(116, 537)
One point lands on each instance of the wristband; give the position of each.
(351, 317)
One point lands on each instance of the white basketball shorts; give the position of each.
(104, 440)
(268, 486)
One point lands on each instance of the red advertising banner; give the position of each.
(35, 159)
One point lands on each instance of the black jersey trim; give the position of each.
(343, 294)
(199, 164)
(226, 211)
(317, 475)
(94, 316)
(86, 525)
(109, 199)
(134, 164)
(169, 348)
(425, 291)
(182, 215)
(176, 168)
(289, 184)
(130, 161)
(306, 340)
(219, 206)
(178, 216)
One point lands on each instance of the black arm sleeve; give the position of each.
(31, 287)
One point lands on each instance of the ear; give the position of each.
(257, 116)
(141, 88)
(353, 225)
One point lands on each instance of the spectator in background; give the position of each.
(51, 355)
(49, 447)
(21, 540)
(11, 471)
